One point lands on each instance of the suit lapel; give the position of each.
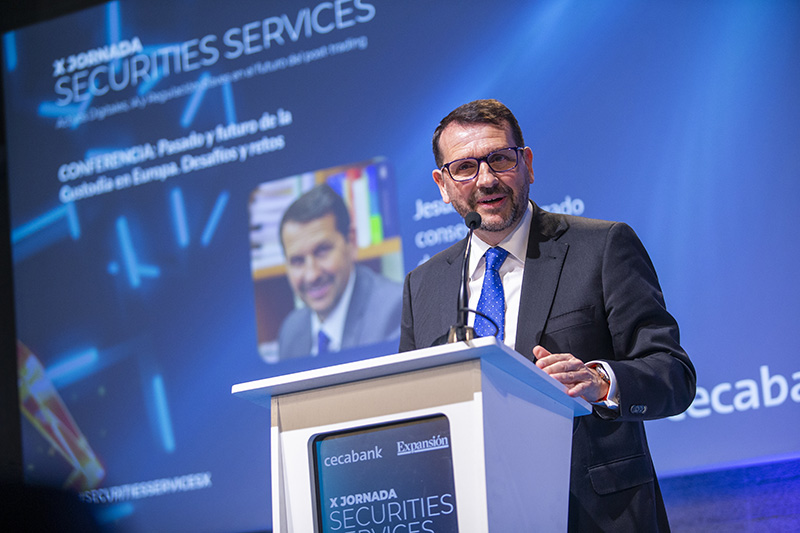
(444, 293)
(543, 263)
(301, 339)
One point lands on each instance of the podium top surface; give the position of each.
(485, 348)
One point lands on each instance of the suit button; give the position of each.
(638, 409)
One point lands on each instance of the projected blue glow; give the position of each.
(128, 253)
(73, 368)
(156, 75)
(227, 98)
(179, 217)
(113, 22)
(82, 109)
(113, 513)
(135, 270)
(10, 47)
(95, 152)
(149, 271)
(162, 412)
(66, 211)
(195, 100)
(72, 220)
(53, 110)
(147, 85)
(213, 220)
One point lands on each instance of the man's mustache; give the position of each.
(497, 188)
(320, 281)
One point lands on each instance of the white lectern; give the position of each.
(510, 429)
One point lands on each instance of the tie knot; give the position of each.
(495, 257)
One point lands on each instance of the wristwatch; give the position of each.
(603, 373)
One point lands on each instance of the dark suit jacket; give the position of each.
(589, 289)
(373, 316)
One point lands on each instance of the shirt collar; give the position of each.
(515, 243)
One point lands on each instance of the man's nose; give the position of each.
(486, 176)
(311, 269)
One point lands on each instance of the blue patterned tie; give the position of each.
(323, 343)
(492, 303)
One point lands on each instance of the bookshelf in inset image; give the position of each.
(369, 191)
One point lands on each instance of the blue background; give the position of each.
(680, 118)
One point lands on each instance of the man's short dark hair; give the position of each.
(478, 112)
(318, 202)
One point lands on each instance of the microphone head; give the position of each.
(472, 220)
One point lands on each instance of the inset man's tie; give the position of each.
(492, 303)
(323, 343)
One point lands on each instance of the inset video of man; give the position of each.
(345, 304)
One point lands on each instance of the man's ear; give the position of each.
(527, 153)
(439, 177)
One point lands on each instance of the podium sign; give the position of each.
(397, 476)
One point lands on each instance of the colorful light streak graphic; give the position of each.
(42, 405)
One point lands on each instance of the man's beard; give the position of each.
(518, 206)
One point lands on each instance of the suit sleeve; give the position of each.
(407, 342)
(654, 374)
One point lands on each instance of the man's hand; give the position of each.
(569, 370)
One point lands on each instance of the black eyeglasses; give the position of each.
(466, 169)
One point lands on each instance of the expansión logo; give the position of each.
(434, 443)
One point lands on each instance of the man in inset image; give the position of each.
(346, 304)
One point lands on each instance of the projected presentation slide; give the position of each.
(160, 160)
(392, 477)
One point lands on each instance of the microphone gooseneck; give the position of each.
(460, 331)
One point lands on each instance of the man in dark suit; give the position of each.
(580, 298)
(345, 304)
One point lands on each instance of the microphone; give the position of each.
(460, 331)
(473, 221)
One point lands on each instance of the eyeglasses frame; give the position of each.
(484, 159)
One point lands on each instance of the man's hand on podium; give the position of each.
(579, 379)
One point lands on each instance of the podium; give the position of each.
(509, 441)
